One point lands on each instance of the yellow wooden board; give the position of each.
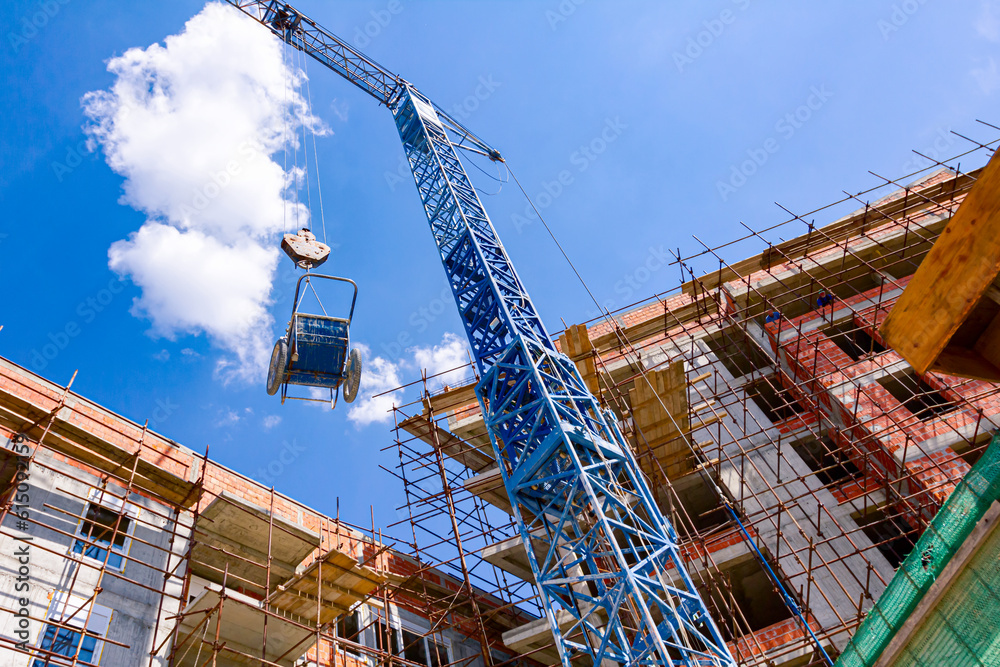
(663, 433)
(952, 279)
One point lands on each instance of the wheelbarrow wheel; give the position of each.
(278, 368)
(352, 381)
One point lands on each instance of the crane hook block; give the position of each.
(304, 249)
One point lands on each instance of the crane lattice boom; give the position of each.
(605, 560)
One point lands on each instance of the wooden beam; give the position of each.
(952, 279)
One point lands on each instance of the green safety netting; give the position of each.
(964, 626)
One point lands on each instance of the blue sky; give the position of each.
(624, 121)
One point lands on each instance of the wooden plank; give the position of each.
(963, 362)
(661, 429)
(575, 343)
(952, 278)
(345, 582)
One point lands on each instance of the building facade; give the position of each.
(798, 457)
(120, 547)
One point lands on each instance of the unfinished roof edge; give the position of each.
(58, 389)
(712, 280)
(346, 529)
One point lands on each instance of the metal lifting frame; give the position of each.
(612, 581)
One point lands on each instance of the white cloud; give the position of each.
(191, 125)
(987, 76)
(270, 422)
(381, 375)
(449, 355)
(162, 355)
(378, 375)
(227, 417)
(988, 23)
(194, 283)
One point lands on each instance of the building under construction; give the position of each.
(798, 457)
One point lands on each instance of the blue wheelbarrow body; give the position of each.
(316, 351)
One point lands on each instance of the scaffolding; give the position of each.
(760, 386)
(798, 458)
(237, 573)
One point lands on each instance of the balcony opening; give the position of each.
(890, 534)
(971, 452)
(753, 593)
(855, 341)
(775, 402)
(918, 396)
(701, 502)
(830, 463)
(737, 353)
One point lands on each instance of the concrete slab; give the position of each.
(231, 531)
(511, 557)
(73, 432)
(470, 455)
(489, 487)
(344, 582)
(241, 628)
(450, 399)
(537, 636)
(472, 429)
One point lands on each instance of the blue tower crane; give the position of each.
(606, 562)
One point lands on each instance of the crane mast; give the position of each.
(605, 560)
